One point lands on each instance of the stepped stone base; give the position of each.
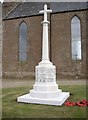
(45, 90)
(45, 93)
(55, 101)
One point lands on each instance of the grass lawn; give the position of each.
(12, 109)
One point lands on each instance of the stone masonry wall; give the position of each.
(11, 65)
(60, 46)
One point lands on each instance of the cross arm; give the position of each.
(49, 11)
(42, 11)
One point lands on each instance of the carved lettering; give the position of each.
(45, 74)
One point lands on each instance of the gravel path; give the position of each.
(6, 83)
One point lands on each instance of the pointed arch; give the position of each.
(23, 42)
(76, 38)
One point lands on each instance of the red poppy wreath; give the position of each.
(79, 103)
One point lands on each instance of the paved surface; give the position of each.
(6, 83)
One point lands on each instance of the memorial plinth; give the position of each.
(45, 90)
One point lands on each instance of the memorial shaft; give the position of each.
(45, 90)
(45, 45)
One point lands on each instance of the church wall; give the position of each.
(61, 39)
(11, 65)
(60, 46)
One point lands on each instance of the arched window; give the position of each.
(76, 38)
(23, 42)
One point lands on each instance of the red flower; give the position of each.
(70, 103)
(79, 103)
(82, 103)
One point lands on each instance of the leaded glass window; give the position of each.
(76, 38)
(23, 42)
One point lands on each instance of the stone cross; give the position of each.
(45, 46)
(45, 90)
(45, 11)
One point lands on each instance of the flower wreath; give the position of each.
(79, 103)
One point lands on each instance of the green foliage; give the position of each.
(12, 109)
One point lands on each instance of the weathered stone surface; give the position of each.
(45, 73)
(60, 45)
(45, 90)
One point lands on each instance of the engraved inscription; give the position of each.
(45, 74)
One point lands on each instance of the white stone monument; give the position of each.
(45, 90)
